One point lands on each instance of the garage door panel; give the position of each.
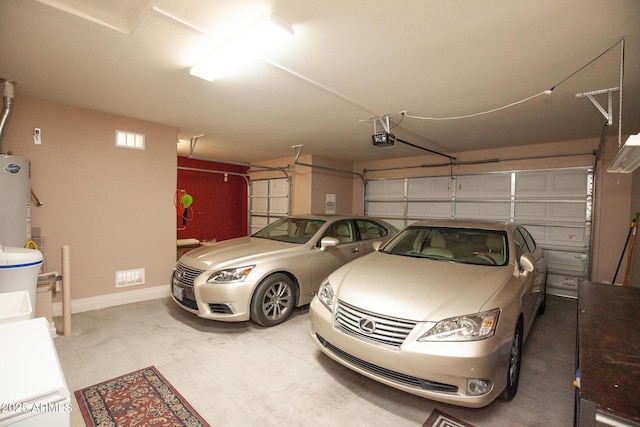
(429, 210)
(563, 284)
(431, 188)
(384, 209)
(260, 188)
(269, 200)
(563, 260)
(279, 205)
(569, 236)
(483, 186)
(574, 237)
(567, 211)
(531, 184)
(530, 211)
(553, 184)
(550, 211)
(386, 189)
(483, 210)
(260, 205)
(554, 204)
(569, 182)
(279, 188)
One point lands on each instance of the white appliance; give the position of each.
(19, 269)
(34, 392)
(15, 200)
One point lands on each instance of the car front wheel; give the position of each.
(515, 360)
(273, 301)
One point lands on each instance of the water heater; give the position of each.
(15, 200)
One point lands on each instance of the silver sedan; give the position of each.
(441, 311)
(263, 277)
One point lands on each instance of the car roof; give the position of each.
(331, 217)
(459, 223)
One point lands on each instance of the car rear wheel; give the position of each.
(515, 359)
(273, 301)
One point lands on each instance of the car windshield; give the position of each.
(292, 230)
(464, 245)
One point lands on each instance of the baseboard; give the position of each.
(109, 300)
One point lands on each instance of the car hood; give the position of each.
(417, 289)
(234, 251)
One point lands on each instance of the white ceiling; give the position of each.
(349, 61)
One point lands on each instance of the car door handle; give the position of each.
(355, 250)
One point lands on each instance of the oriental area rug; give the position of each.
(140, 398)
(440, 419)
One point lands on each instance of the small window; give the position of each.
(129, 140)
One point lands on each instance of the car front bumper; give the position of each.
(435, 370)
(229, 302)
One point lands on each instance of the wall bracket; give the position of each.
(608, 114)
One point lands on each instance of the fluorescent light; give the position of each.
(628, 158)
(251, 44)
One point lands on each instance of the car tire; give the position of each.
(273, 300)
(515, 360)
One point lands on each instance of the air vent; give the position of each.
(129, 277)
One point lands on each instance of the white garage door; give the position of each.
(555, 206)
(269, 200)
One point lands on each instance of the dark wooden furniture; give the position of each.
(608, 355)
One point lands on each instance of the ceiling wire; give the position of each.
(493, 110)
(544, 92)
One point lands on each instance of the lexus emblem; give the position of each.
(367, 325)
(178, 276)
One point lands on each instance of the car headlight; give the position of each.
(471, 327)
(325, 294)
(230, 274)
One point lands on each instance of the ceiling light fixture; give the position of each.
(250, 44)
(628, 158)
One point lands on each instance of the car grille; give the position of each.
(190, 303)
(186, 275)
(394, 376)
(387, 331)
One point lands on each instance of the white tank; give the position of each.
(19, 269)
(15, 201)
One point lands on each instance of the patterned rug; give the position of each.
(440, 419)
(141, 398)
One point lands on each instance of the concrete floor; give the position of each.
(238, 374)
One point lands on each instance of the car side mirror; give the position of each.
(527, 263)
(376, 245)
(328, 242)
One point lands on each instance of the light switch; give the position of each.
(37, 136)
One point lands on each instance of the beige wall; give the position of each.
(112, 206)
(331, 177)
(612, 217)
(310, 184)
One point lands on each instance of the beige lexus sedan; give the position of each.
(441, 311)
(263, 277)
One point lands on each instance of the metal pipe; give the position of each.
(7, 102)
